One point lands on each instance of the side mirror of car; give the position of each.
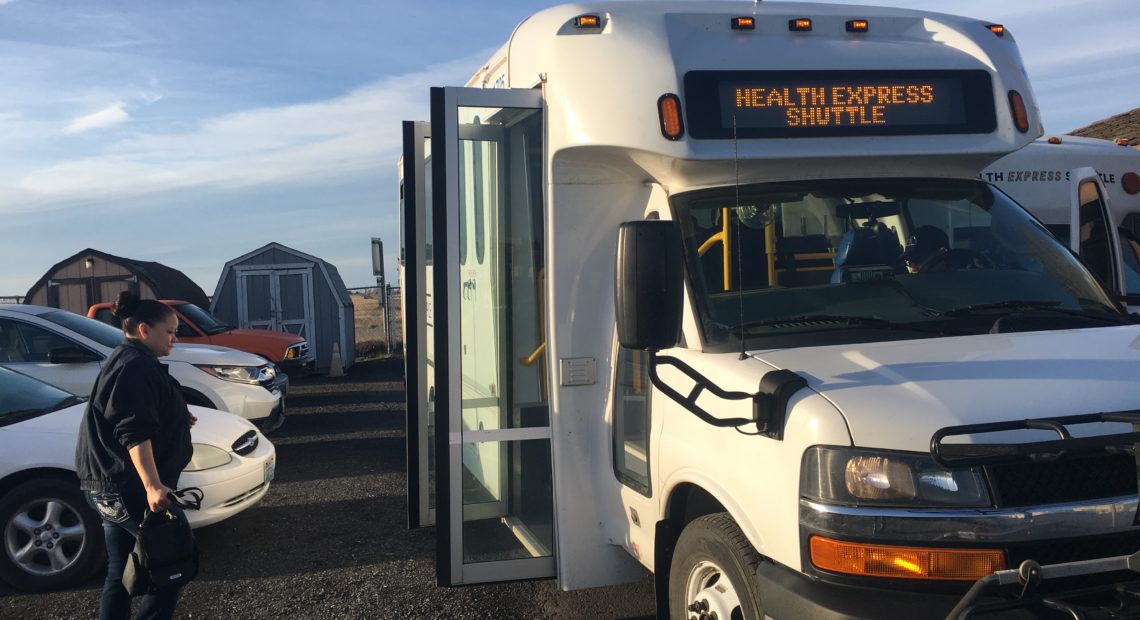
(71, 355)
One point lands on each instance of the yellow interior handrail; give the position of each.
(722, 238)
(533, 357)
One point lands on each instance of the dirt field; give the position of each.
(370, 339)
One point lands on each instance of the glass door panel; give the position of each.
(497, 503)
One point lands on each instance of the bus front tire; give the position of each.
(714, 571)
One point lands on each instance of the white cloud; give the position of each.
(311, 142)
(108, 116)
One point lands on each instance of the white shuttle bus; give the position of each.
(713, 289)
(1039, 177)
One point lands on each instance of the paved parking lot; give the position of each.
(329, 540)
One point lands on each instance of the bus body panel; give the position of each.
(605, 162)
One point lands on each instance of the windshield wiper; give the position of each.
(860, 321)
(1042, 305)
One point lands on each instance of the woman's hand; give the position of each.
(193, 419)
(156, 498)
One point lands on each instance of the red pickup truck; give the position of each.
(196, 325)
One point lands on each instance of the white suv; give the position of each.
(67, 350)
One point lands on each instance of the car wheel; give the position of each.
(713, 574)
(51, 537)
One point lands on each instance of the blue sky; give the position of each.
(192, 132)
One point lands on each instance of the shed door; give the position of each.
(494, 485)
(255, 299)
(294, 311)
(280, 299)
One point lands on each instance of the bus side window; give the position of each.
(631, 420)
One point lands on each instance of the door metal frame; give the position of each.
(450, 568)
(420, 512)
(1078, 176)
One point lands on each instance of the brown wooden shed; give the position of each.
(90, 277)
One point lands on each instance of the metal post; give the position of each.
(387, 292)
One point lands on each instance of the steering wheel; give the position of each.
(960, 258)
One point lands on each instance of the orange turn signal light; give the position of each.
(669, 110)
(743, 23)
(904, 562)
(802, 24)
(1130, 182)
(1121, 142)
(1054, 139)
(1020, 114)
(997, 29)
(858, 25)
(587, 21)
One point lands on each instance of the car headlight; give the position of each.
(207, 457)
(237, 374)
(879, 478)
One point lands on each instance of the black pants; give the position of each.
(122, 514)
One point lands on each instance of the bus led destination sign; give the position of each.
(837, 105)
(778, 104)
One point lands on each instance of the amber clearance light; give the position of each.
(1020, 114)
(669, 111)
(904, 562)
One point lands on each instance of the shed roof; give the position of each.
(336, 283)
(167, 282)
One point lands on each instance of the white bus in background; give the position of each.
(1039, 177)
(663, 311)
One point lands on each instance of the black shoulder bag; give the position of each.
(165, 554)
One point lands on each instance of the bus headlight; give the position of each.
(879, 478)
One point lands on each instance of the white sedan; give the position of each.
(50, 536)
(67, 350)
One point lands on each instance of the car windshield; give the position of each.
(22, 397)
(91, 329)
(203, 319)
(919, 257)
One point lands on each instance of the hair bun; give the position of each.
(125, 305)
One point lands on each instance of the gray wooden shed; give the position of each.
(90, 277)
(277, 287)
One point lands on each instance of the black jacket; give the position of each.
(134, 399)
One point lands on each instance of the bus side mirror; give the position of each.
(648, 285)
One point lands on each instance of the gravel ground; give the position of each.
(329, 540)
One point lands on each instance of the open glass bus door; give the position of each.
(1092, 231)
(494, 502)
(416, 298)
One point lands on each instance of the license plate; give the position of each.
(270, 468)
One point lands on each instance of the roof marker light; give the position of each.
(743, 23)
(1122, 142)
(801, 24)
(1017, 108)
(587, 21)
(1130, 182)
(858, 25)
(997, 29)
(669, 111)
(1054, 139)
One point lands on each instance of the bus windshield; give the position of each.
(923, 256)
